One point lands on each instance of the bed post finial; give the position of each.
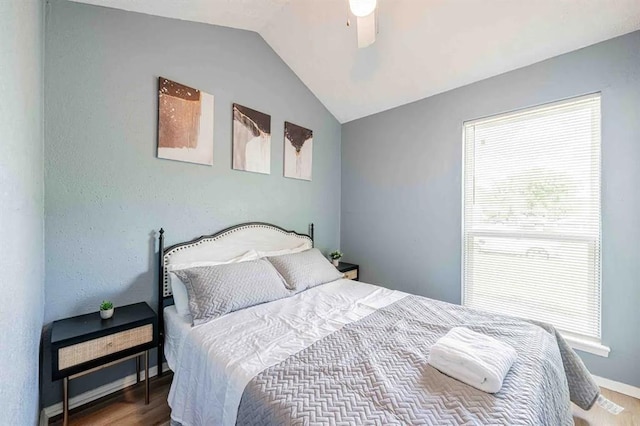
(160, 300)
(311, 230)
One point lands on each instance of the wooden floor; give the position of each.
(127, 408)
(598, 416)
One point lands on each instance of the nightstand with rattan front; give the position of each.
(351, 271)
(83, 344)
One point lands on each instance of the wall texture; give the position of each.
(107, 193)
(21, 208)
(402, 182)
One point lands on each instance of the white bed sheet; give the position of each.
(216, 360)
(176, 328)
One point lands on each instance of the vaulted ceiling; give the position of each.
(423, 47)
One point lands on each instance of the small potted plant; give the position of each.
(335, 257)
(106, 309)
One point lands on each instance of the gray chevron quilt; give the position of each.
(375, 372)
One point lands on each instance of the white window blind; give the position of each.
(532, 215)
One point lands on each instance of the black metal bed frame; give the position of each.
(164, 301)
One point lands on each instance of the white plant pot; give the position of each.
(106, 314)
(335, 262)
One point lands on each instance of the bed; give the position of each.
(347, 352)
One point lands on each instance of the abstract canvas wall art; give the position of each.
(251, 140)
(185, 123)
(298, 151)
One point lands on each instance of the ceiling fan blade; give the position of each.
(366, 30)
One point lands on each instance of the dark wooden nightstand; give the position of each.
(86, 343)
(351, 271)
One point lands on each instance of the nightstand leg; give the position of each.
(138, 369)
(65, 401)
(146, 377)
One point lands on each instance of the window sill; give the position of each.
(588, 346)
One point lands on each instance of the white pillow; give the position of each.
(180, 295)
(250, 255)
(300, 248)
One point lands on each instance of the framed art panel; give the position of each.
(185, 123)
(298, 151)
(251, 140)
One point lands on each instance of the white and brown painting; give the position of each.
(298, 151)
(251, 140)
(185, 123)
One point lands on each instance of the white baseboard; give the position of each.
(97, 393)
(619, 387)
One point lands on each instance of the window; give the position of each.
(532, 216)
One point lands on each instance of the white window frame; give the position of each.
(575, 341)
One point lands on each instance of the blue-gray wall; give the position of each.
(402, 182)
(21, 208)
(106, 192)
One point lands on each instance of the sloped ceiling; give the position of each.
(424, 47)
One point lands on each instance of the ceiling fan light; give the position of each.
(362, 8)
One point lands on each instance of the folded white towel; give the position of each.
(473, 358)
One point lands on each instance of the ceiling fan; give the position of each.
(365, 12)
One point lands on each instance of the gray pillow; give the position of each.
(306, 269)
(217, 290)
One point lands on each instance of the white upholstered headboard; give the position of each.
(221, 246)
(230, 243)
